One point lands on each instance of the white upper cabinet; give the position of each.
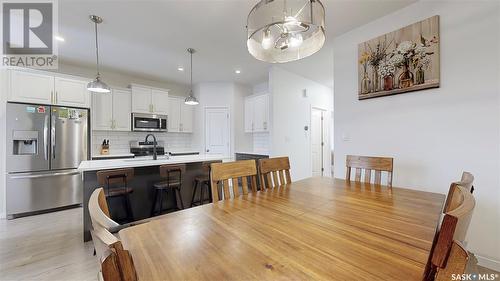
(141, 99)
(174, 114)
(31, 87)
(45, 88)
(160, 101)
(122, 110)
(149, 100)
(257, 114)
(102, 111)
(112, 111)
(180, 116)
(187, 112)
(71, 92)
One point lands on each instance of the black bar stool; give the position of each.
(203, 181)
(171, 180)
(115, 184)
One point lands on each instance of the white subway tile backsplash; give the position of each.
(261, 143)
(119, 142)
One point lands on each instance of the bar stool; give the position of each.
(203, 181)
(115, 184)
(172, 180)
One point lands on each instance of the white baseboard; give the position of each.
(488, 263)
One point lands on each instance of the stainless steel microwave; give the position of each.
(149, 122)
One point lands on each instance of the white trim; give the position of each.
(488, 263)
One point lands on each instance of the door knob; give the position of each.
(208, 150)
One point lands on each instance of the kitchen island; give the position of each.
(146, 173)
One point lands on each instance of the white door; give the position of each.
(249, 102)
(102, 111)
(160, 102)
(187, 112)
(122, 110)
(217, 133)
(71, 92)
(31, 87)
(174, 114)
(317, 142)
(141, 100)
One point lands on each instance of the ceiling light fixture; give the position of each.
(191, 100)
(180, 68)
(237, 71)
(97, 85)
(59, 38)
(285, 30)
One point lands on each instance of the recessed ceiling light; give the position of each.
(237, 71)
(59, 38)
(180, 68)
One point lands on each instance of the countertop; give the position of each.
(252, 153)
(94, 165)
(113, 155)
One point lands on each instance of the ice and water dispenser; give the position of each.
(25, 142)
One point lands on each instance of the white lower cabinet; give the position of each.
(180, 116)
(112, 111)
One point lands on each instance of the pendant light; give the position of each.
(285, 30)
(191, 100)
(97, 85)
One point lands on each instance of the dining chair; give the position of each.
(116, 263)
(234, 171)
(466, 182)
(99, 212)
(278, 167)
(448, 255)
(369, 164)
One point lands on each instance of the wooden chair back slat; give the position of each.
(125, 262)
(275, 171)
(109, 269)
(234, 171)
(456, 263)
(253, 183)
(453, 227)
(368, 165)
(98, 210)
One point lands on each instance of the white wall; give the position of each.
(222, 94)
(435, 134)
(290, 112)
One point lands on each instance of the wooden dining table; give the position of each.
(313, 229)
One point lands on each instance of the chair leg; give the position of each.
(161, 201)
(130, 214)
(202, 198)
(178, 191)
(154, 203)
(209, 185)
(194, 192)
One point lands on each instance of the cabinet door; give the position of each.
(160, 102)
(71, 92)
(260, 113)
(122, 110)
(174, 114)
(141, 100)
(31, 87)
(187, 112)
(249, 115)
(102, 111)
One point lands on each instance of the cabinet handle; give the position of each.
(51, 97)
(56, 97)
(264, 124)
(252, 127)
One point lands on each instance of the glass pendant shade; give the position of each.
(285, 30)
(98, 86)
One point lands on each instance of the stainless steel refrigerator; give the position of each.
(45, 145)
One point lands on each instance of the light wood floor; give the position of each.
(46, 247)
(50, 247)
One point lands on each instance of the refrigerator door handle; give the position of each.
(44, 175)
(46, 137)
(53, 136)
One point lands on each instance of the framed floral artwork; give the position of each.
(401, 61)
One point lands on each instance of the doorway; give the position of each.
(217, 131)
(319, 141)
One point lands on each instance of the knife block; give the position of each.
(104, 149)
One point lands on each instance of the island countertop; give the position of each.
(94, 165)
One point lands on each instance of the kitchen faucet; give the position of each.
(154, 145)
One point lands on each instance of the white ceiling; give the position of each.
(149, 38)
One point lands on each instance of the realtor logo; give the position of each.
(28, 34)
